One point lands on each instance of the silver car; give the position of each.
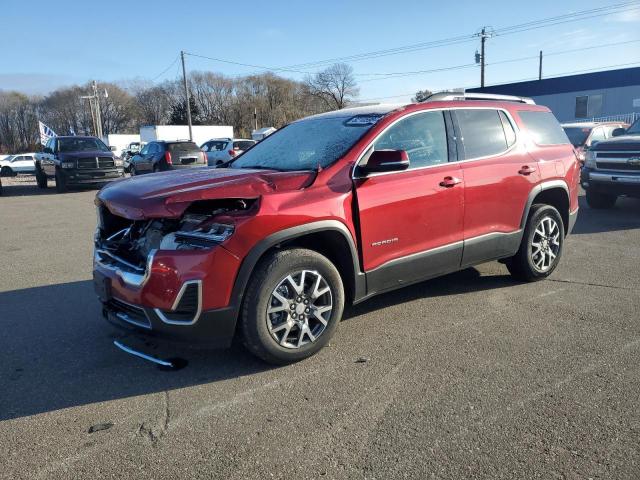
(221, 150)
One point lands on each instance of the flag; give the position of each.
(45, 133)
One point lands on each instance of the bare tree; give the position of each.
(421, 96)
(335, 86)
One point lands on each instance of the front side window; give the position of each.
(543, 128)
(482, 132)
(635, 128)
(423, 136)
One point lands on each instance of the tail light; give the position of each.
(204, 157)
(233, 153)
(167, 158)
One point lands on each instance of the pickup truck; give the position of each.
(77, 160)
(612, 168)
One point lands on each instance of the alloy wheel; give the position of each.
(545, 244)
(299, 309)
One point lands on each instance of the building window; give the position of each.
(588, 106)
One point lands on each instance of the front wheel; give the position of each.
(599, 201)
(6, 172)
(41, 179)
(61, 183)
(541, 245)
(292, 307)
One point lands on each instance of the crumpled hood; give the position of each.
(168, 194)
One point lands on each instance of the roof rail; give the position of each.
(448, 96)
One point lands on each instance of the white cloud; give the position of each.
(628, 16)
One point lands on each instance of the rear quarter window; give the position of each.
(543, 128)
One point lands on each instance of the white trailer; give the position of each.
(121, 140)
(201, 133)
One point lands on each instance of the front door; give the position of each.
(411, 221)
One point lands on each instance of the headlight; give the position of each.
(118, 162)
(590, 159)
(204, 237)
(68, 165)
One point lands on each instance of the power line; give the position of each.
(555, 75)
(391, 75)
(166, 69)
(551, 21)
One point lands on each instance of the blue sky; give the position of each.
(124, 40)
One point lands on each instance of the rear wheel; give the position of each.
(61, 182)
(6, 172)
(600, 200)
(41, 179)
(292, 307)
(541, 245)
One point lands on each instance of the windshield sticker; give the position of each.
(360, 120)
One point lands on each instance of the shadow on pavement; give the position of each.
(25, 185)
(58, 352)
(624, 216)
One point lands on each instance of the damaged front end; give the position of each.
(131, 243)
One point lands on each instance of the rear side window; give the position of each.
(543, 128)
(242, 145)
(482, 132)
(423, 136)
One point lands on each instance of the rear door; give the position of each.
(410, 222)
(498, 174)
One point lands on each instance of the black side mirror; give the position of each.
(385, 161)
(618, 132)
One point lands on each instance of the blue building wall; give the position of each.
(620, 90)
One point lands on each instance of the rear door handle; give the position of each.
(449, 182)
(526, 170)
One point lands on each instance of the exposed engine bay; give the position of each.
(203, 225)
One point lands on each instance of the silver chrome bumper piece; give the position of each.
(614, 178)
(128, 273)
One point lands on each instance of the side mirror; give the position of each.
(113, 148)
(618, 132)
(386, 161)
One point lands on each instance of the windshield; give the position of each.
(82, 145)
(306, 144)
(577, 135)
(635, 128)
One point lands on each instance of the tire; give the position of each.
(538, 255)
(276, 337)
(600, 201)
(6, 172)
(156, 168)
(41, 179)
(133, 171)
(61, 183)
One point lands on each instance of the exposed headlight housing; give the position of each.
(205, 237)
(68, 164)
(590, 159)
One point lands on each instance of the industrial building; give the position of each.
(607, 95)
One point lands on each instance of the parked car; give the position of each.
(162, 156)
(15, 164)
(583, 134)
(77, 160)
(612, 168)
(331, 209)
(221, 150)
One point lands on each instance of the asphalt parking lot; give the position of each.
(469, 376)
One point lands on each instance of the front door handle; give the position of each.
(449, 182)
(526, 170)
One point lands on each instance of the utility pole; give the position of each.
(485, 33)
(96, 118)
(255, 118)
(186, 95)
(540, 67)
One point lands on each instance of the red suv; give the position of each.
(333, 209)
